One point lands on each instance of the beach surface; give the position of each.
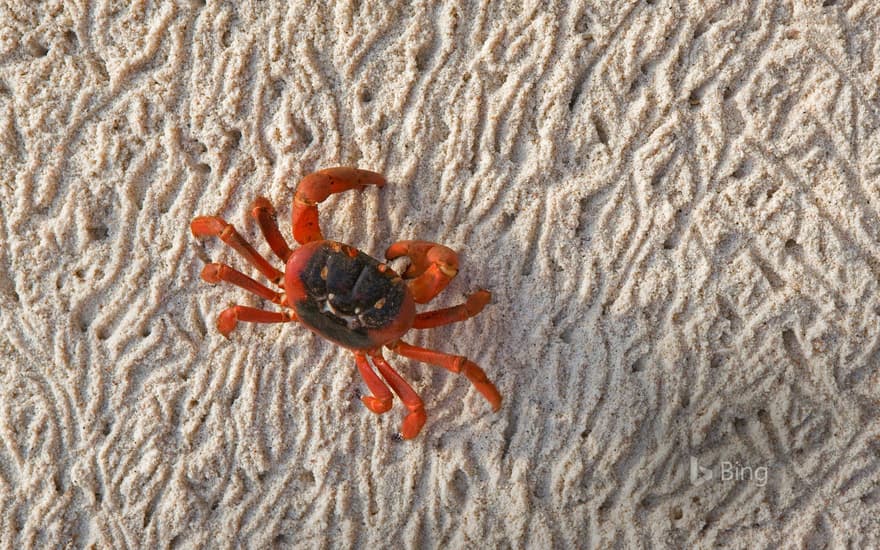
(674, 205)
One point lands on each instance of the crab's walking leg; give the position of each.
(267, 219)
(432, 267)
(214, 273)
(230, 317)
(454, 363)
(380, 401)
(414, 421)
(315, 188)
(474, 305)
(213, 226)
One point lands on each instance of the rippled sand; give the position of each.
(675, 205)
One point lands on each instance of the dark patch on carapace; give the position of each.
(348, 295)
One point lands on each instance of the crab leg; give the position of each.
(432, 267)
(213, 226)
(214, 273)
(454, 363)
(267, 219)
(315, 188)
(474, 305)
(413, 422)
(380, 401)
(230, 317)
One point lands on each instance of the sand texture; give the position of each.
(674, 204)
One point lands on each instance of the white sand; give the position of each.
(675, 205)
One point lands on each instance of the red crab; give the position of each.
(348, 297)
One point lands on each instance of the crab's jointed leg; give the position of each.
(214, 273)
(474, 305)
(431, 267)
(454, 363)
(382, 397)
(267, 219)
(229, 318)
(315, 188)
(213, 226)
(413, 422)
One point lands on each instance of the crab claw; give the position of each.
(431, 267)
(315, 188)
